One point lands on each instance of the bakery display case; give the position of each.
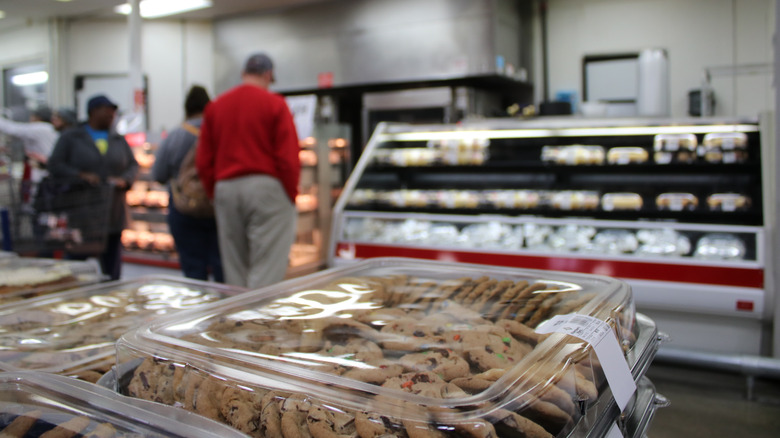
(681, 209)
(72, 333)
(46, 405)
(325, 166)
(401, 347)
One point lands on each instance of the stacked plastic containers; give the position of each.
(72, 333)
(403, 347)
(46, 405)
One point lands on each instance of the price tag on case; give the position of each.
(601, 337)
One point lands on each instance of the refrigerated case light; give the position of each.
(566, 132)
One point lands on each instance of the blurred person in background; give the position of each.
(195, 237)
(38, 137)
(94, 153)
(247, 159)
(63, 118)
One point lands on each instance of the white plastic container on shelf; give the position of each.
(653, 88)
(389, 345)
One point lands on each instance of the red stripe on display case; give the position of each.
(640, 270)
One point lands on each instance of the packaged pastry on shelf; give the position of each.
(574, 155)
(25, 277)
(163, 242)
(489, 235)
(414, 157)
(363, 197)
(728, 202)
(458, 198)
(627, 155)
(307, 157)
(570, 238)
(574, 200)
(522, 199)
(462, 152)
(613, 242)
(621, 201)
(724, 147)
(129, 238)
(674, 148)
(720, 246)
(676, 201)
(73, 332)
(36, 404)
(392, 347)
(407, 198)
(663, 242)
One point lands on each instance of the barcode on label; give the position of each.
(580, 320)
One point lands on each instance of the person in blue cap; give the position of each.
(93, 153)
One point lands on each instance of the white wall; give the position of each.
(174, 56)
(24, 43)
(695, 33)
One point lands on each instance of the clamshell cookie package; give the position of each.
(386, 347)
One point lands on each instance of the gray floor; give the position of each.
(704, 404)
(713, 404)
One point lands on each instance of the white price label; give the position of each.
(605, 344)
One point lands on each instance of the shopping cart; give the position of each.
(54, 216)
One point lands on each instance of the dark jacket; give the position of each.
(75, 152)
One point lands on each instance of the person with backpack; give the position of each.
(190, 214)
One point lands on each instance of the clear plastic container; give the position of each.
(32, 404)
(728, 202)
(675, 148)
(573, 155)
(24, 277)
(73, 332)
(621, 201)
(676, 201)
(389, 346)
(627, 155)
(725, 147)
(720, 246)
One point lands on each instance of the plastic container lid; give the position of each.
(73, 332)
(23, 277)
(388, 343)
(674, 142)
(35, 403)
(725, 140)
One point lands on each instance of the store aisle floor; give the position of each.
(708, 404)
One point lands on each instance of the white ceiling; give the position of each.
(16, 10)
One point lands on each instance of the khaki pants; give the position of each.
(256, 227)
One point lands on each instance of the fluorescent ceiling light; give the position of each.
(162, 8)
(34, 78)
(2, 15)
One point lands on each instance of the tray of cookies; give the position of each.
(392, 347)
(36, 404)
(25, 277)
(73, 332)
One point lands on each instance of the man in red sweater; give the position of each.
(247, 159)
